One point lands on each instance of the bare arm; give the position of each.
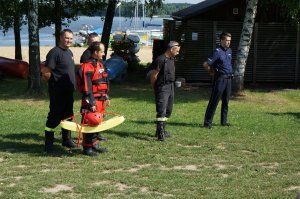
(208, 68)
(46, 72)
(153, 78)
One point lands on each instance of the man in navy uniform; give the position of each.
(219, 64)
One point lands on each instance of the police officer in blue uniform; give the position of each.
(219, 64)
(162, 82)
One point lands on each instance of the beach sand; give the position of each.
(145, 53)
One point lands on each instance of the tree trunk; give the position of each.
(243, 49)
(34, 84)
(57, 21)
(110, 13)
(17, 34)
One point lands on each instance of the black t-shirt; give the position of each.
(61, 62)
(86, 55)
(166, 68)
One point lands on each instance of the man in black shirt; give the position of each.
(60, 72)
(162, 82)
(86, 55)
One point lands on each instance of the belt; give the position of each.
(225, 76)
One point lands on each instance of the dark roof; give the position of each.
(196, 9)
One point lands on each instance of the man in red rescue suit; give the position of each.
(94, 84)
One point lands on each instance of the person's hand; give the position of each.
(46, 73)
(46, 76)
(208, 68)
(93, 109)
(211, 71)
(107, 102)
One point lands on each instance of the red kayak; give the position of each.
(14, 67)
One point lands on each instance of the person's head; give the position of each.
(225, 39)
(97, 50)
(173, 49)
(66, 38)
(93, 37)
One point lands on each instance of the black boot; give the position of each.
(160, 131)
(88, 150)
(66, 139)
(166, 133)
(49, 139)
(98, 149)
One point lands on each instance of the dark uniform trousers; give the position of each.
(164, 97)
(221, 90)
(61, 107)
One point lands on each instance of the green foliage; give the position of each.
(258, 157)
(68, 10)
(290, 9)
(151, 8)
(10, 11)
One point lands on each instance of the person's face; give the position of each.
(93, 39)
(175, 51)
(66, 40)
(226, 42)
(101, 52)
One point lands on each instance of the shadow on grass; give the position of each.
(139, 90)
(170, 123)
(294, 114)
(138, 135)
(16, 143)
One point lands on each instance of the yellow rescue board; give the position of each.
(107, 124)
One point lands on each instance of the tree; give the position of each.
(244, 46)
(110, 13)
(11, 16)
(34, 82)
(290, 9)
(58, 11)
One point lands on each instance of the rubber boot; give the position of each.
(66, 139)
(88, 150)
(160, 131)
(98, 149)
(49, 139)
(166, 133)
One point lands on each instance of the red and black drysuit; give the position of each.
(94, 89)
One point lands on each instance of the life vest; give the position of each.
(92, 71)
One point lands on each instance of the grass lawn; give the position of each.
(257, 157)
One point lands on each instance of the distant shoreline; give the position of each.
(145, 53)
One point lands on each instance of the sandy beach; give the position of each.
(145, 53)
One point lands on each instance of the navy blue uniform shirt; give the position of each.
(221, 60)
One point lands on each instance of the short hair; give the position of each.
(62, 33)
(93, 34)
(172, 44)
(95, 46)
(224, 34)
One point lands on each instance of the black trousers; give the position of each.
(221, 90)
(61, 106)
(164, 99)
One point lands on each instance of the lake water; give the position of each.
(46, 33)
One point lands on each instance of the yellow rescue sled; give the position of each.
(107, 124)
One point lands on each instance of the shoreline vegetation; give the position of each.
(145, 53)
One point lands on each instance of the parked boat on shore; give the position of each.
(14, 67)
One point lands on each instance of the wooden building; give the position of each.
(275, 48)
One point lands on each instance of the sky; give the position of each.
(183, 1)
